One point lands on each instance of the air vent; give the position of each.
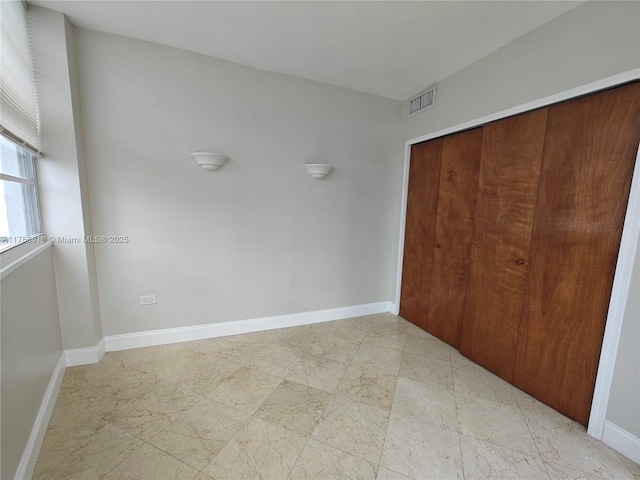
(423, 101)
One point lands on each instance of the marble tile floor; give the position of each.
(371, 397)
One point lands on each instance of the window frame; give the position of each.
(32, 218)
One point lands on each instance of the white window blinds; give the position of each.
(19, 113)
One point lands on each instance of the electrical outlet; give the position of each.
(148, 299)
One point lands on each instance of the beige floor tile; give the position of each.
(366, 384)
(421, 451)
(560, 440)
(473, 380)
(350, 329)
(390, 322)
(431, 403)
(232, 348)
(558, 471)
(382, 325)
(326, 345)
(144, 410)
(180, 363)
(302, 338)
(204, 376)
(94, 388)
(67, 417)
(319, 462)
(426, 369)
(245, 389)
(633, 467)
(354, 428)
(494, 422)
(485, 461)
(260, 450)
(335, 348)
(392, 340)
(427, 345)
(363, 322)
(275, 360)
(415, 330)
(87, 449)
(200, 433)
(154, 359)
(385, 473)
(345, 380)
(149, 463)
(380, 359)
(294, 406)
(201, 373)
(203, 476)
(318, 372)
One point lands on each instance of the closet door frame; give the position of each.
(628, 243)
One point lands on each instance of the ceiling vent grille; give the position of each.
(423, 101)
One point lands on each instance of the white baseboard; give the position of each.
(34, 443)
(211, 330)
(621, 441)
(85, 356)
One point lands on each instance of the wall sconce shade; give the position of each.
(318, 170)
(209, 161)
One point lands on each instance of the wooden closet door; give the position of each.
(451, 248)
(422, 205)
(505, 205)
(590, 151)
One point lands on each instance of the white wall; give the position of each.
(259, 237)
(591, 42)
(62, 184)
(31, 346)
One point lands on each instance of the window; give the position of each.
(19, 214)
(19, 129)
(18, 98)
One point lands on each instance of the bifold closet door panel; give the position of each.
(414, 304)
(451, 249)
(505, 205)
(422, 205)
(589, 156)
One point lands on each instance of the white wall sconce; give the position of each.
(209, 161)
(318, 170)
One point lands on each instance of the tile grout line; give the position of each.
(128, 456)
(524, 419)
(384, 440)
(544, 464)
(201, 400)
(148, 442)
(242, 364)
(333, 396)
(175, 458)
(386, 432)
(455, 402)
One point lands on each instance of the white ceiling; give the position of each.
(393, 49)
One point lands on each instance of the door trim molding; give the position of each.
(617, 305)
(630, 234)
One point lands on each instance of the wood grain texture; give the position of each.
(590, 151)
(414, 303)
(422, 205)
(451, 249)
(505, 205)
